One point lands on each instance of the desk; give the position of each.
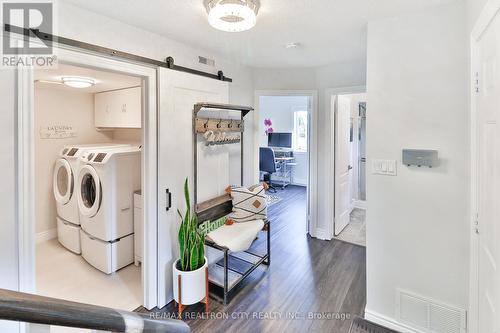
(284, 159)
(284, 164)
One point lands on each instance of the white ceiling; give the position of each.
(330, 31)
(105, 81)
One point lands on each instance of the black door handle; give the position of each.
(169, 199)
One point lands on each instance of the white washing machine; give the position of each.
(107, 180)
(64, 178)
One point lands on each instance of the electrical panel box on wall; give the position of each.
(420, 157)
(384, 167)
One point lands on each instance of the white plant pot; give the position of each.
(193, 284)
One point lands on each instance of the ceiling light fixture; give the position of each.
(77, 82)
(232, 15)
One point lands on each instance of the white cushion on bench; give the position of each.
(237, 236)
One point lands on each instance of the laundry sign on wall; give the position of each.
(57, 132)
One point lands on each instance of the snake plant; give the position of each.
(191, 241)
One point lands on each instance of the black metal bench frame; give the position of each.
(219, 207)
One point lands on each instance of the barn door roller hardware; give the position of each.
(168, 63)
(219, 76)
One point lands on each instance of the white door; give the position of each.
(178, 94)
(342, 202)
(488, 138)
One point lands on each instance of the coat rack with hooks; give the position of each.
(216, 126)
(203, 125)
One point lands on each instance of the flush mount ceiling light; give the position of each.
(232, 15)
(77, 82)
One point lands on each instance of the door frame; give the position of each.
(312, 151)
(489, 12)
(330, 109)
(25, 165)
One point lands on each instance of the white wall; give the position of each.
(59, 107)
(280, 109)
(474, 8)
(417, 226)
(127, 135)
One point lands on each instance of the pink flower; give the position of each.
(269, 130)
(268, 122)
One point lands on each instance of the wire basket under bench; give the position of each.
(228, 273)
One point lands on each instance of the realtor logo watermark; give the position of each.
(23, 23)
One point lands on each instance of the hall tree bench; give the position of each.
(227, 273)
(235, 241)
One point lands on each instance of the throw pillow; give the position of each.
(249, 203)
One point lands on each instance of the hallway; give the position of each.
(311, 285)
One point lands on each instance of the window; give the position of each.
(300, 130)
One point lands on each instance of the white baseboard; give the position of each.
(299, 181)
(388, 322)
(46, 235)
(360, 204)
(321, 234)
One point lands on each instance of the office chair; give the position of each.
(267, 165)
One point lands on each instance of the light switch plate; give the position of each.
(384, 167)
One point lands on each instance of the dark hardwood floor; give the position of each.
(311, 285)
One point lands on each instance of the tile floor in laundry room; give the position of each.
(63, 274)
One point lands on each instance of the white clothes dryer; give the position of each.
(64, 178)
(107, 180)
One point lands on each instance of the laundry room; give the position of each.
(88, 134)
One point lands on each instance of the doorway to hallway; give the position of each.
(349, 128)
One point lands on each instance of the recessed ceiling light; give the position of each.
(78, 82)
(232, 15)
(292, 45)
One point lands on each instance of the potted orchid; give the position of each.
(268, 126)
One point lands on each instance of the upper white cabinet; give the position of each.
(119, 108)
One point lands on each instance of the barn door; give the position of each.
(178, 92)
